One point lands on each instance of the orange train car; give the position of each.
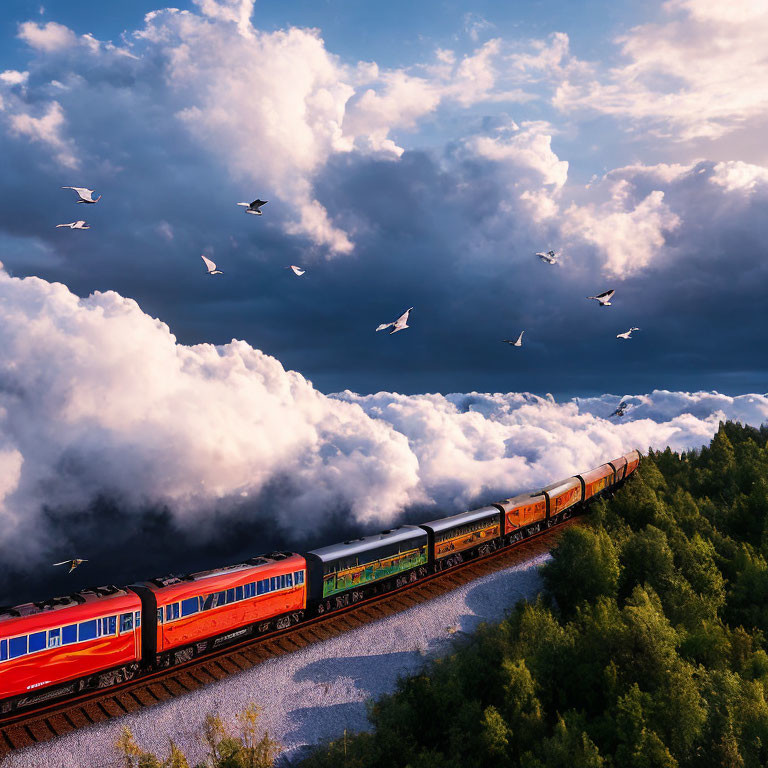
(519, 512)
(597, 480)
(188, 615)
(455, 539)
(619, 467)
(89, 639)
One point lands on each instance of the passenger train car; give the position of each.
(104, 635)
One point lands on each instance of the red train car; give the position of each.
(89, 639)
(597, 480)
(188, 615)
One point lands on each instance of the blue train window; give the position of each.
(171, 611)
(17, 646)
(189, 606)
(37, 641)
(108, 626)
(126, 622)
(54, 638)
(261, 587)
(208, 602)
(69, 634)
(3, 650)
(238, 593)
(230, 595)
(86, 630)
(288, 579)
(299, 577)
(159, 615)
(138, 618)
(273, 583)
(250, 590)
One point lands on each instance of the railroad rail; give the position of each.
(28, 728)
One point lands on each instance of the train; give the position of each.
(103, 636)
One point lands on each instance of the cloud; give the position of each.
(47, 129)
(698, 74)
(48, 37)
(627, 234)
(99, 400)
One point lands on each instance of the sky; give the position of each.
(412, 157)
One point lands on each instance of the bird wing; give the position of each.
(86, 194)
(79, 224)
(63, 562)
(520, 338)
(245, 204)
(603, 295)
(208, 263)
(258, 203)
(383, 326)
(297, 270)
(64, 225)
(403, 319)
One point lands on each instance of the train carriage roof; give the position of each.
(596, 473)
(522, 500)
(463, 518)
(561, 486)
(403, 533)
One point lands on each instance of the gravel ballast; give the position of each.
(311, 695)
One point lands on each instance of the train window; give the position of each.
(261, 587)
(208, 602)
(86, 630)
(238, 593)
(126, 622)
(273, 584)
(108, 626)
(138, 618)
(190, 606)
(159, 615)
(37, 641)
(69, 634)
(54, 638)
(299, 577)
(282, 581)
(230, 595)
(250, 590)
(172, 612)
(3, 650)
(17, 646)
(288, 579)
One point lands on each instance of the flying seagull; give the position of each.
(211, 267)
(72, 563)
(622, 409)
(298, 271)
(626, 334)
(604, 298)
(518, 343)
(254, 207)
(74, 225)
(85, 195)
(400, 324)
(550, 257)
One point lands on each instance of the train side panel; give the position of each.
(597, 480)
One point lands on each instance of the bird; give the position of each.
(518, 343)
(74, 225)
(626, 334)
(298, 271)
(211, 267)
(604, 298)
(72, 563)
(622, 409)
(400, 324)
(85, 195)
(550, 257)
(254, 207)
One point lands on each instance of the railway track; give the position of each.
(26, 729)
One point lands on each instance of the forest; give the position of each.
(645, 649)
